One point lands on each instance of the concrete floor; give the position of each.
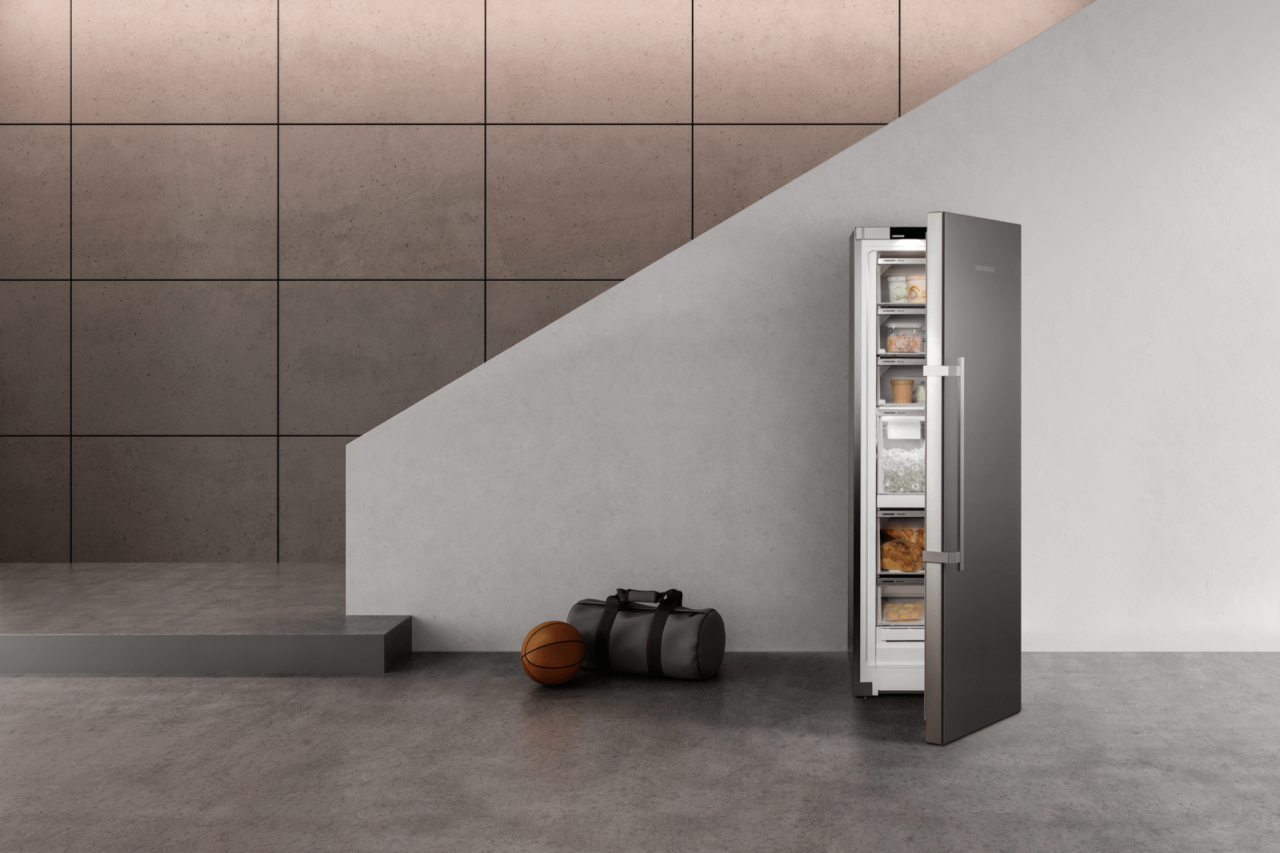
(1112, 752)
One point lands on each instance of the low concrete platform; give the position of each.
(189, 619)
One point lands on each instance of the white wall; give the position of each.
(688, 428)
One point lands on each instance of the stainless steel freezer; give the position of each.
(935, 474)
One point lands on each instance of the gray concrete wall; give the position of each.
(688, 428)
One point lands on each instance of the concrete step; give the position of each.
(189, 619)
(340, 645)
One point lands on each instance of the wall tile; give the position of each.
(175, 202)
(35, 202)
(34, 499)
(585, 61)
(516, 309)
(187, 358)
(760, 61)
(313, 500)
(174, 61)
(355, 353)
(944, 41)
(737, 166)
(391, 61)
(382, 202)
(35, 345)
(174, 499)
(586, 202)
(35, 61)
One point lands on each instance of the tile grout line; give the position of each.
(296, 280)
(450, 124)
(899, 58)
(178, 435)
(277, 281)
(71, 283)
(693, 94)
(484, 200)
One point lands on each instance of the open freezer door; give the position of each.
(973, 516)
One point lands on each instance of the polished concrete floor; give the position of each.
(1112, 752)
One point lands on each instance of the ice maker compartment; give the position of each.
(900, 468)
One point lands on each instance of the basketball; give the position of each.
(552, 652)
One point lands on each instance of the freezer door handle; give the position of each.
(955, 371)
(945, 370)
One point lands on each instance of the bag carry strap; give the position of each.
(648, 596)
(670, 601)
(602, 631)
(667, 601)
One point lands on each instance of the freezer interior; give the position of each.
(893, 348)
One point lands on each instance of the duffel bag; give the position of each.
(650, 632)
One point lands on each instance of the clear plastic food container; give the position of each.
(904, 336)
(902, 549)
(915, 288)
(902, 611)
(898, 288)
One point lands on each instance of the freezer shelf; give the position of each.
(896, 634)
(884, 501)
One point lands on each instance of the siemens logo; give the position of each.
(985, 269)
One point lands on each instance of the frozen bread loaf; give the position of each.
(899, 556)
(914, 535)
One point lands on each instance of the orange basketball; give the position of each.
(552, 652)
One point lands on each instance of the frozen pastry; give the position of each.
(914, 535)
(899, 556)
(902, 611)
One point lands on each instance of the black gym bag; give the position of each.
(643, 631)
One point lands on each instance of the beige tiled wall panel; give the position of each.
(587, 61)
(35, 202)
(944, 41)
(179, 358)
(355, 353)
(586, 202)
(35, 499)
(35, 350)
(312, 499)
(35, 71)
(391, 61)
(735, 166)
(516, 309)
(174, 499)
(386, 199)
(175, 202)
(382, 202)
(761, 61)
(174, 61)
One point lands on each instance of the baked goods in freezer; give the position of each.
(902, 609)
(914, 535)
(899, 556)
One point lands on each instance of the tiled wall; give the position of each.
(236, 234)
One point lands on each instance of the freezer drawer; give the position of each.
(900, 646)
(903, 611)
